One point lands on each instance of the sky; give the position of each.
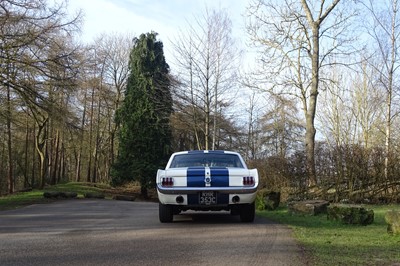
(166, 17)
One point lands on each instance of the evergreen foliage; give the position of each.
(144, 116)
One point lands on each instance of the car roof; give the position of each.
(204, 151)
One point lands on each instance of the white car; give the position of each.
(207, 181)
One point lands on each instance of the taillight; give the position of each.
(248, 181)
(167, 181)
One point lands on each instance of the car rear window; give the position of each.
(206, 160)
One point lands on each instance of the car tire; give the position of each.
(165, 213)
(247, 212)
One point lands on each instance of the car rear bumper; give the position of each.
(190, 197)
(195, 190)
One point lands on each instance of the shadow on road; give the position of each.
(220, 217)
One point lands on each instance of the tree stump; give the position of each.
(69, 195)
(94, 195)
(392, 218)
(308, 207)
(268, 200)
(124, 197)
(51, 194)
(272, 200)
(59, 195)
(350, 214)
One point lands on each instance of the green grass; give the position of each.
(333, 243)
(80, 188)
(21, 199)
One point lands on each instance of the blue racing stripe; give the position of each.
(219, 177)
(195, 177)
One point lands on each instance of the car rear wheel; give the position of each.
(165, 213)
(247, 213)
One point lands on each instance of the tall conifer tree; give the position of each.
(144, 116)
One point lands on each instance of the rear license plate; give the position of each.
(208, 198)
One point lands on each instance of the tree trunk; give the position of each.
(10, 178)
(195, 123)
(207, 127)
(312, 105)
(26, 164)
(214, 137)
(97, 143)
(391, 71)
(33, 171)
(207, 116)
(61, 168)
(89, 173)
(56, 158)
(40, 143)
(49, 152)
(81, 135)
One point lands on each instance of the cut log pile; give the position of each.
(350, 214)
(308, 207)
(344, 213)
(392, 218)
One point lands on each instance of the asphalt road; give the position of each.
(108, 232)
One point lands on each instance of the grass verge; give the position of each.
(333, 243)
(21, 199)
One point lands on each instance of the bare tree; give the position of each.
(384, 28)
(253, 145)
(298, 38)
(115, 50)
(103, 82)
(207, 61)
(281, 128)
(35, 44)
(366, 105)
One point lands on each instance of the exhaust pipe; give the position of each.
(236, 199)
(179, 199)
